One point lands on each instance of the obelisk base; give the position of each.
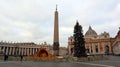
(56, 48)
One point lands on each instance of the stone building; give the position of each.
(116, 44)
(96, 44)
(63, 51)
(28, 48)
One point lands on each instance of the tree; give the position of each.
(79, 43)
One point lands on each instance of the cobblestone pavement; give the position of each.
(113, 61)
(44, 64)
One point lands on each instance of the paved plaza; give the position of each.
(114, 61)
(44, 64)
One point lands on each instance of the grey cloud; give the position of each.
(32, 20)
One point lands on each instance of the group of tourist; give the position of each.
(6, 57)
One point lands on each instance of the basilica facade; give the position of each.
(97, 44)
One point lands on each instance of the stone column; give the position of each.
(10, 51)
(25, 51)
(22, 51)
(110, 50)
(7, 51)
(36, 49)
(30, 51)
(99, 48)
(13, 50)
(0, 48)
(90, 48)
(103, 46)
(93, 48)
(33, 51)
(19, 50)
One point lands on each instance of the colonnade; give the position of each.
(13, 50)
(26, 49)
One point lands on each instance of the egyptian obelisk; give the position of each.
(56, 34)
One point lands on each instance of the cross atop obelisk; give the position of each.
(56, 7)
(56, 34)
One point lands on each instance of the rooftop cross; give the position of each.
(56, 7)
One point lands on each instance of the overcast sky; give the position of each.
(32, 20)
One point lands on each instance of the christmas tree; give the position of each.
(79, 43)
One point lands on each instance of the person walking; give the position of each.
(5, 57)
(21, 57)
